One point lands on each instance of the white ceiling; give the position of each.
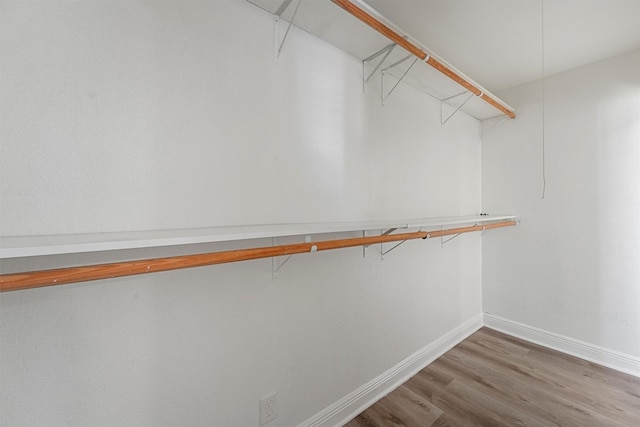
(498, 43)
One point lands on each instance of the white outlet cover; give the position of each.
(268, 408)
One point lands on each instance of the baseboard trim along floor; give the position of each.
(593, 353)
(355, 402)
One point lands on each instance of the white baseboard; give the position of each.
(357, 401)
(593, 353)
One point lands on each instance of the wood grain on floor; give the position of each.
(493, 379)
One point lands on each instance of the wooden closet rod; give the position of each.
(445, 69)
(35, 279)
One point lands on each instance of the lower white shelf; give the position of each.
(28, 246)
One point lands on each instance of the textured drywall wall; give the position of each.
(124, 116)
(572, 266)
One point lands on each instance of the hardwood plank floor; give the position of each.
(493, 379)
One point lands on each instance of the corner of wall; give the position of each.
(357, 401)
(593, 353)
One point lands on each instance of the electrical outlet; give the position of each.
(268, 408)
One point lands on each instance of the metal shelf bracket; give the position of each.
(277, 16)
(383, 97)
(494, 126)
(276, 264)
(386, 51)
(443, 101)
(444, 241)
(383, 253)
(382, 233)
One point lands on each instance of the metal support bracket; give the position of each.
(495, 125)
(285, 4)
(364, 248)
(386, 51)
(276, 264)
(444, 241)
(383, 97)
(442, 103)
(392, 248)
(384, 252)
(277, 16)
(382, 233)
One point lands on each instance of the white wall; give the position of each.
(572, 267)
(121, 116)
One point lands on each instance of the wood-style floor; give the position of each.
(493, 379)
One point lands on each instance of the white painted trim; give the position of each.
(358, 400)
(593, 353)
(343, 410)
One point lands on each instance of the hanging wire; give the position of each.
(544, 168)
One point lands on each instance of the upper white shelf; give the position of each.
(27, 246)
(330, 23)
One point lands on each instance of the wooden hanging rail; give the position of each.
(439, 65)
(35, 279)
